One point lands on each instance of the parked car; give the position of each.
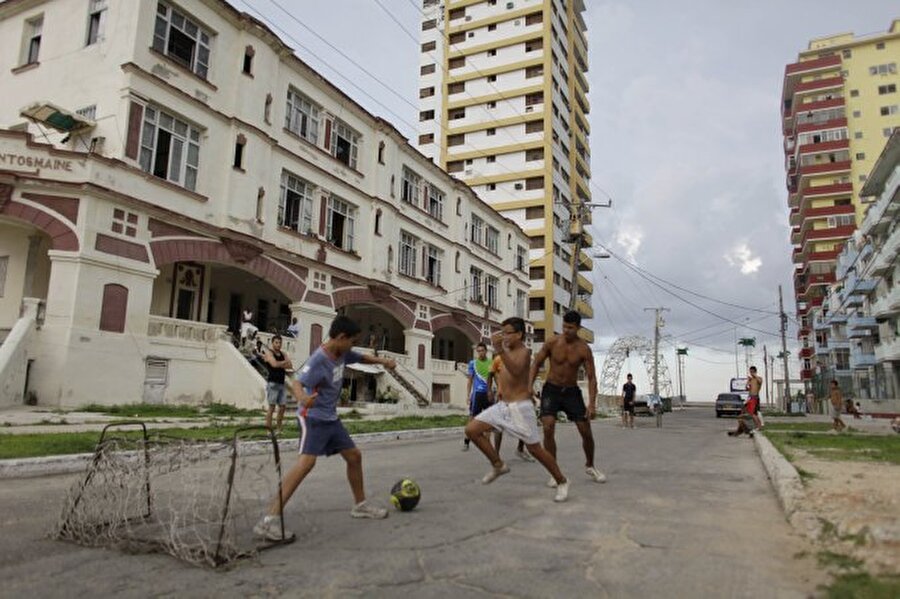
(642, 405)
(729, 403)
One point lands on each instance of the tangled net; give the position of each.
(195, 500)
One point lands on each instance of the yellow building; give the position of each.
(503, 106)
(839, 106)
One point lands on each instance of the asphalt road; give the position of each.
(686, 512)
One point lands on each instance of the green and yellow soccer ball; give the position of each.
(405, 494)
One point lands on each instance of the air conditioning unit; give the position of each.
(468, 17)
(518, 186)
(529, 109)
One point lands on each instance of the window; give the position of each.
(534, 71)
(170, 148)
(31, 46)
(491, 285)
(879, 46)
(492, 104)
(432, 266)
(860, 155)
(247, 67)
(534, 154)
(113, 309)
(267, 111)
(456, 114)
(534, 183)
(854, 93)
(408, 251)
(435, 202)
(457, 38)
(521, 258)
(426, 69)
(455, 166)
(4, 267)
(492, 52)
(295, 205)
(96, 21)
(426, 139)
(490, 159)
(857, 135)
(426, 115)
(378, 222)
(492, 27)
(857, 114)
(883, 69)
(476, 233)
(380, 152)
(426, 92)
(409, 189)
(536, 273)
(475, 279)
(533, 212)
(492, 240)
(181, 39)
(456, 62)
(534, 127)
(490, 131)
(429, 46)
(491, 186)
(456, 140)
(520, 303)
(429, 24)
(239, 144)
(534, 18)
(887, 89)
(535, 98)
(888, 110)
(457, 87)
(260, 205)
(341, 223)
(536, 243)
(533, 45)
(344, 143)
(492, 78)
(124, 223)
(457, 13)
(302, 116)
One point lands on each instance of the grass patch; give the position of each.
(861, 585)
(144, 410)
(838, 560)
(809, 427)
(805, 475)
(862, 448)
(780, 414)
(39, 445)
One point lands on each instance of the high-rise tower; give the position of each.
(503, 106)
(839, 105)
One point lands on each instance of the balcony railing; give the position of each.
(176, 329)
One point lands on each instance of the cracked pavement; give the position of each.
(687, 512)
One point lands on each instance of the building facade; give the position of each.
(166, 166)
(839, 106)
(503, 106)
(862, 308)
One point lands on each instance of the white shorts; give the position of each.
(516, 418)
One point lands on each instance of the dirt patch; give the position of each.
(859, 507)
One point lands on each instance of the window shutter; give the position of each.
(113, 309)
(323, 214)
(133, 142)
(328, 135)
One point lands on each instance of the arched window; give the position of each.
(114, 308)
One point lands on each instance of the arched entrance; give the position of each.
(452, 343)
(381, 330)
(24, 267)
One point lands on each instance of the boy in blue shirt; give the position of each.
(317, 387)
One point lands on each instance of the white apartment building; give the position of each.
(165, 166)
(503, 106)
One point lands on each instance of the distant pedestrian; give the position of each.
(477, 387)
(628, 391)
(248, 329)
(293, 329)
(852, 408)
(277, 363)
(837, 402)
(754, 384)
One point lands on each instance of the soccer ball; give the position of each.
(405, 494)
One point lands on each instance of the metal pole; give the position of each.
(787, 377)
(766, 368)
(737, 371)
(656, 327)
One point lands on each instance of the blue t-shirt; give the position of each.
(324, 373)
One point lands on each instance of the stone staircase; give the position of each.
(421, 400)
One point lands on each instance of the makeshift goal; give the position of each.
(196, 500)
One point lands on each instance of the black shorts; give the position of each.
(555, 399)
(478, 403)
(628, 406)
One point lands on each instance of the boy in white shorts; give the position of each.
(514, 414)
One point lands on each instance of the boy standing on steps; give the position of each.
(514, 414)
(317, 388)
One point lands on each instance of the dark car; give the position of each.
(728, 403)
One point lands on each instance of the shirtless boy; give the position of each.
(567, 353)
(513, 414)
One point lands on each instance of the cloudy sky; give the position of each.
(685, 138)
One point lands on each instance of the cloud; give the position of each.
(741, 255)
(629, 238)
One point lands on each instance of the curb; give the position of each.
(69, 464)
(789, 488)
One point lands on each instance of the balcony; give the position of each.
(823, 147)
(810, 66)
(856, 322)
(819, 85)
(824, 167)
(885, 256)
(806, 374)
(860, 359)
(821, 191)
(807, 352)
(888, 350)
(838, 344)
(863, 287)
(816, 126)
(813, 106)
(584, 308)
(584, 284)
(887, 305)
(842, 232)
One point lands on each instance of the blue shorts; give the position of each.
(275, 394)
(323, 437)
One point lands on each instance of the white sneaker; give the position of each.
(364, 510)
(524, 456)
(552, 483)
(270, 529)
(494, 474)
(562, 492)
(595, 475)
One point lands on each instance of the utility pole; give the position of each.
(680, 353)
(766, 368)
(737, 371)
(579, 216)
(784, 353)
(658, 324)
